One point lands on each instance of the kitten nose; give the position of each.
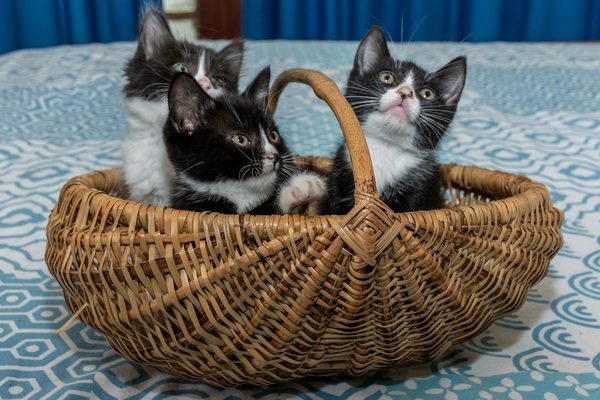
(205, 84)
(405, 92)
(274, 157)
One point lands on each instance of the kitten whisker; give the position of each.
(360, 107)
(349, 96)
(417, 27)
(192, 166)
(156, 72)
(435, 106)
(363, 89)
(364, 102)
(436, 117)
(287, 171)
(432, 120)
(440, 119)
(363, 107)
(245, 170)
(271, 95)
(439, 111)
(434, 127)
(226, 100)
(244, 154)
(254, 159)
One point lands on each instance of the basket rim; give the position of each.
(521, 196)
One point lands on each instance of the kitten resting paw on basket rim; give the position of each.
(302, 194)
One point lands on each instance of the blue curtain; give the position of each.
(420, 20)
(42, 23)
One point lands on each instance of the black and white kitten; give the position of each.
(404, 111)
(228, 155)
(159, 56)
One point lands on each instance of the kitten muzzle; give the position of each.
(271, 162)
(398, 108)
(402, 106)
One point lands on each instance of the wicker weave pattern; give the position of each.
(235, 299)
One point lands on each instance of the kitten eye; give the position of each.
(181, 67)
(240, 140)
(427, 93)
(387, 77)
(274, 137)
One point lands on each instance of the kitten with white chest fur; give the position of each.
(404, 111)
(148, 174)
(227, 154)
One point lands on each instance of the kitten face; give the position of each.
(234, 138)
(160, 56)
(398, 100)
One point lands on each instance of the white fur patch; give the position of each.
(409, 79)
(399, 132)
(201, 66)
(214, 92)
(391, 162)
(301, 190)
(146, 166)
(245, 194)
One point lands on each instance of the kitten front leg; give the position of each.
(303, 194)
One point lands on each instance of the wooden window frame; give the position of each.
(215, 19)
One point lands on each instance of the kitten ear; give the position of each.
(258, 90)
(372, 50)
(451, 79)
(155, 34)
(188, 104)
(230, 58)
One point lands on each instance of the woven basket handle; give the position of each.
(326, 89)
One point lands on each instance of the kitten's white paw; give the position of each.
(302, 194)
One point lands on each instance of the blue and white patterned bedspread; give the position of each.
(527, 108)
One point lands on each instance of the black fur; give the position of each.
(199, 140)
(421, 187)
(151, 69)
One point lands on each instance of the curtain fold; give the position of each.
(42, 23)
(442, 20)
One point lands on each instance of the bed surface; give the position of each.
(531, 109)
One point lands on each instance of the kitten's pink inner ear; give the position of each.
(183, 125)
(188, 127)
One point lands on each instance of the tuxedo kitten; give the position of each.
(227, 153)
(404, 111)
(159, 56)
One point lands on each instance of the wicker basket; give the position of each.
(232, 299)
